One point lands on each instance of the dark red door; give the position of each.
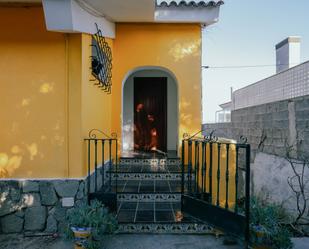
(150, 113)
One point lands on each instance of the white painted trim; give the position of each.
(69, 17)
(147, 68)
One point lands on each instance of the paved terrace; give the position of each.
(131, 242)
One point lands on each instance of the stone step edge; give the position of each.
(132, 161)
(146, 176)
(149, 197)
(168, 228)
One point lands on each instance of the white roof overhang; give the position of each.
(80, 15)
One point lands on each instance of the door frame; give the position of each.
(126, 116)
(143, 81)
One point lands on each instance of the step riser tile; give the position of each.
(146, 176)
(174, 228)
(149, 198)
(155, 161)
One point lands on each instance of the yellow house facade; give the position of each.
(87, 86)
(49, 99)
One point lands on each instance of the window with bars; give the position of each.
(101, 61)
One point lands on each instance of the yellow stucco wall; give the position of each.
(175, 47)
(33, 96)
(48, 103)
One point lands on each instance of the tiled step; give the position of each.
(151, 211)
(145, 172)
(149, 197)
(157, 217)
(166, 228)
(147, 186)
(149, 161)
(146, 168)
(143, 176)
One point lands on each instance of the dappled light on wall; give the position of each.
(25, 102)
(33, 150)
(3, 159)
(186, 118)
(8, 164)
(15, 149)
(180, 51)
(46, 88)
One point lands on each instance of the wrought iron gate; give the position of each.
(216, 182)
(102, 167)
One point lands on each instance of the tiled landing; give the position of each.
(158, 217)
(149, 186)
(148, 212)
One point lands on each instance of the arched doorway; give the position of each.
(150, 110)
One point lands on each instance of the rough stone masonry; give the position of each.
(36, 205)
(41, 205)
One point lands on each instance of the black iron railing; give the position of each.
(216, 172)
(102, 162)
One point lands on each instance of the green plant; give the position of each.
(268, 224)
(95, 216)
(91, 244)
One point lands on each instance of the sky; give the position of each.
(246, 34)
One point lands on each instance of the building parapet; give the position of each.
(288, 84)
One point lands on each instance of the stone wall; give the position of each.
(40, 206)
(270, 174)
(270, 127)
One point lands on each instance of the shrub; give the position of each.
(95, 216)
(268, 224)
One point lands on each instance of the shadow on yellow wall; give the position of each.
(48, 103)
(175, 47)
(33, 117)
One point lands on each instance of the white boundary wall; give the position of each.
(288, 84)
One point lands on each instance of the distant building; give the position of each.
(287, 53)
(224, 115)
(290, 81)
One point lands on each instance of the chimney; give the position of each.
(288, 53)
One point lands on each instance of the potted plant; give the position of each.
(260, 237)
(88, 222)
(269, 226)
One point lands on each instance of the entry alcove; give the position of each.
(156, 89)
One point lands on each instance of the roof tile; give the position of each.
(189, 3)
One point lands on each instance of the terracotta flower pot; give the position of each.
(261, 247)
(81, 234)
(260, 234)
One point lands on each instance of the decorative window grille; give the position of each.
(101, 62)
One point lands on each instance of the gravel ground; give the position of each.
(119, 242)
(131, 242)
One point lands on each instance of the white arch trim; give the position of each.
(127, 127)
